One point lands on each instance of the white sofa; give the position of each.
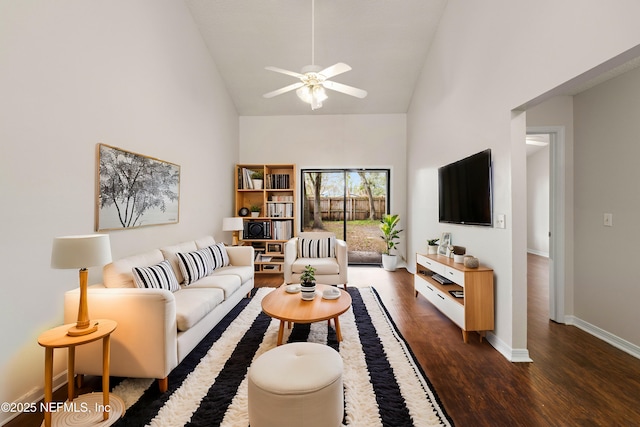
(158, 328)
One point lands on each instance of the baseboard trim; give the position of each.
(516, 355)
(35, 395)
(537, 252)
(608, 337)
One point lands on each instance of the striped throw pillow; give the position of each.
(317, 248)
(219, 254)
(195, 265)
(159, 276)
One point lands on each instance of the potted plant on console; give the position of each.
(432, 246)
(308, 283)
(389, 235)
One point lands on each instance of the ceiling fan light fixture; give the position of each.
(312, 94)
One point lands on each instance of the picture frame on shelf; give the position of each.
(445, 242)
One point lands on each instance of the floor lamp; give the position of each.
(81, 252)
(234, 224)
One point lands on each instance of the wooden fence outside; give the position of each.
(357, 208)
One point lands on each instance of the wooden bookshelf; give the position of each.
(275, 223)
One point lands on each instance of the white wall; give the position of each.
(538, 202)
(358, 141)
(607, 176)
(481, 66)
(136, 75)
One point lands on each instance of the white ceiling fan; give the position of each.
(314, 79)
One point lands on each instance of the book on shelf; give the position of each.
(277, 181)
(244, 179)
(282, 230)
(282, 210)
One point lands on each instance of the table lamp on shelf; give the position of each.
(81, 252)
(235, 225)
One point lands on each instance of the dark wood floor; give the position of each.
(575, 379)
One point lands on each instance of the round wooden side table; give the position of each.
(58, 338)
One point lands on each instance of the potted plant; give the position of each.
(390, 233)
(308, 283)
(432, 246)
(255, 210)
(257, 178)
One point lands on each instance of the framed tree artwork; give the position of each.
(134, 190)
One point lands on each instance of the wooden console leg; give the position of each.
(163, 384)
(465, 336)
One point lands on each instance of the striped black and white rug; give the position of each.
(383, 383)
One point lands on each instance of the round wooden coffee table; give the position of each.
(288, 307)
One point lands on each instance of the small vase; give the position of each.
(308, 291)
(432, 249)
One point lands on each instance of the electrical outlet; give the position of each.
(501, 221)
(608, 220)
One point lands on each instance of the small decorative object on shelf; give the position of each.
(471, 262)
(257, 178)
(432, 246)
(308, 283)
(255, 210)
(458, 254)
(243, 212)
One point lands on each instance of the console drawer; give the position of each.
(449, 307)
(454, 275)
(434, 266)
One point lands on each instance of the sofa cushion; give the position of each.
(244, 272)
(219, 254)
(322, 265)
(119, 273)
(195, 265)
(317, 248)
(193, 304)
(169, 253)
(159, 276)
(228, 283)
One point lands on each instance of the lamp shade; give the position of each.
(80, 251)
(232, 224)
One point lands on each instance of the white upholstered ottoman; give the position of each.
(296, 385)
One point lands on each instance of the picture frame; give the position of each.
(134, 190)
(445, 241)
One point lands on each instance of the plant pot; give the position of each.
(389, 262)
(257, 184)
(308, 292)
(255, 214)
(432, 249)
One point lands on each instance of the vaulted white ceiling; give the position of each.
(384, 41)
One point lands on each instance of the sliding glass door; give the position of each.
(349, 203)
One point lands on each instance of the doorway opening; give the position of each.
(349, 203)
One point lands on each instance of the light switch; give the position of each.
(608, 220)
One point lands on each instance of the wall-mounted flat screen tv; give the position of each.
(464, 191)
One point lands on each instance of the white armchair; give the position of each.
(330, 270)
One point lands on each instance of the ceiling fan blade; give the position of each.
(283, 71)
(349, 90)
(334, 70)
(283, 90)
